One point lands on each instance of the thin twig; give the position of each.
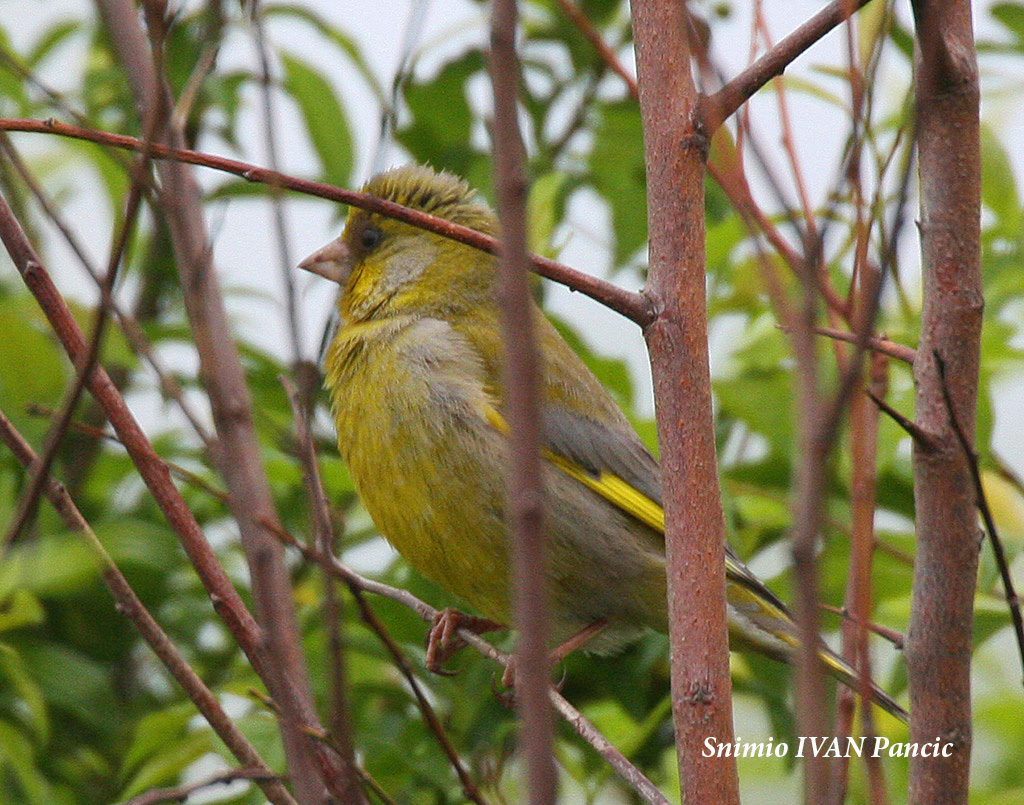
(137, 340)
(225, 599)
(891, 635)
(322, 546)
(900, 352)
(592, 35)
(630, 304)
(913, 430)
(131, 607)
(718, 107)
(30, 494)
(356, 582)
(285, 262)
(181, 793)
(981, 500)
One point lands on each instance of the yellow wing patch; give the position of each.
(609, 486)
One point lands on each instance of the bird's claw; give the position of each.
(443, 639)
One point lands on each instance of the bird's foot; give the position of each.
(559, 653)
(443, 639)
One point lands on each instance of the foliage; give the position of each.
(86, 713)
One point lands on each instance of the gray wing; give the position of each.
(598, 447)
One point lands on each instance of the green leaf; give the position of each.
(22, 691)
(17, 759)
(444, 140)
(1011, 16)
(74, 684)
(52, 566)
(20, 609)
(324, 116)
(544, 210)
(51, 39)
(165, 766)
(343, 41)
(618, 173)
(998, 189)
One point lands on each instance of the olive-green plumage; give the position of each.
(416, 388)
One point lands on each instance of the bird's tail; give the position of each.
(759, 619)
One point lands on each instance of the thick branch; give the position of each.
(675, 155)
(939, 637)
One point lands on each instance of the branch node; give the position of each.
(921, 437)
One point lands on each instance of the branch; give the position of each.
(129, 605)
(900, 352)
(1012, 599)
(675, 153)
(40, 471)
(524, 493)
(940, 632)
(360, 584)
(225, 599)
(140, 54)
(716, 108)
(592, 35)
(181, 793)
(632, 305)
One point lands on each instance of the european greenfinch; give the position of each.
(415, 379)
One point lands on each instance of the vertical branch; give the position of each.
(323, 533)
(284, 256)
(676, 151)
(238, 456)
(809, 475)
(938, 646)
(524, 492)
(863, 501)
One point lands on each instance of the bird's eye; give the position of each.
(370, 238)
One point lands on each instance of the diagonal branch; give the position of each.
(140, 54)
(630, 304)
(225, 599)
(716, 108)
(1012, 599)
(130, 606)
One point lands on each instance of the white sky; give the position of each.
(245, 252)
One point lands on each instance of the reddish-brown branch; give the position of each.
(981, 501)
(225, 599)
(631, 305)
(592, 35)
(675, 153)
(324, 542)
(182, 793)
(358, 584)
(863, 502)
(27, 500)
(716, 108)
(521, 380)
(939, 637)
(131, 607)
(140, 55)
(900, 352)
(137, 340)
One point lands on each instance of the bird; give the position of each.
(414, 375)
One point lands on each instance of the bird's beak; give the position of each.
(333, 262)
